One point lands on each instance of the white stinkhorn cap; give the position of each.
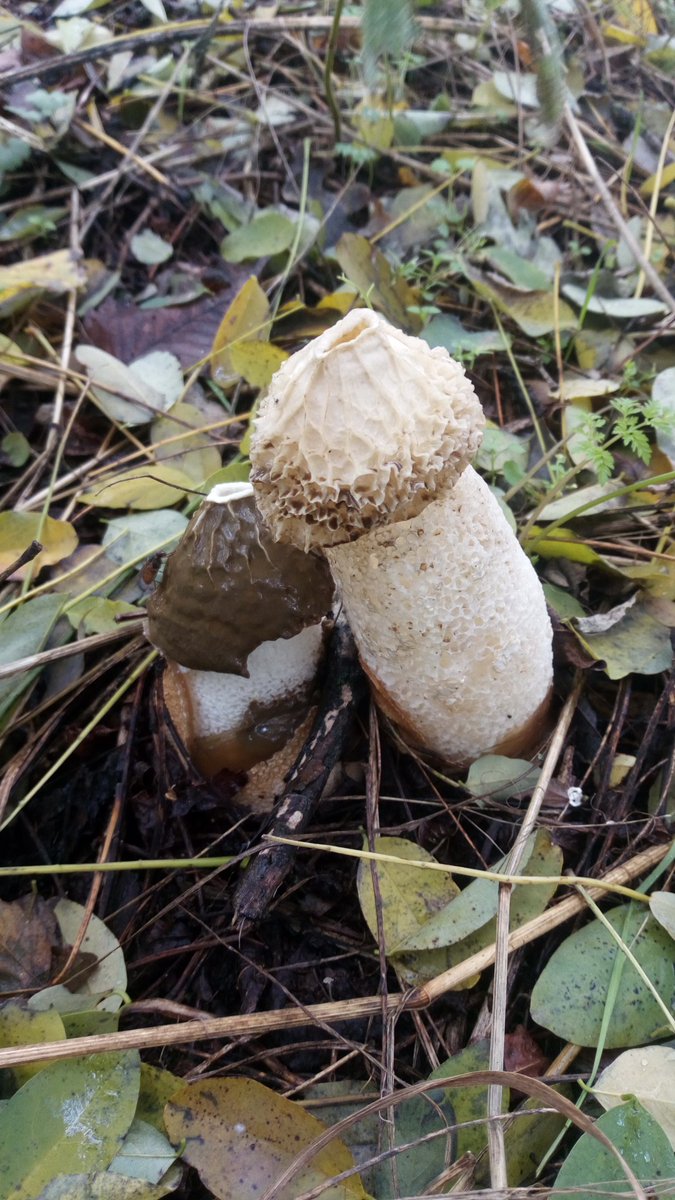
(363, 426)
(361, 447)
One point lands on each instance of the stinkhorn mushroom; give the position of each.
(238, 617)
(361, 447)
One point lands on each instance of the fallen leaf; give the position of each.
(367, 269)
(620, 308)
(24, 631)
(247, 319)
(18, 529)
(240, 1136)
(409, 895)
(71, 1117)
(147, 487)
(592, 1172)
(133, 394)
(268, 233)
(632, 641)
(136, 536)
(647, 1074)
(662, 906)
(57, 273)
(185, 330)
(145, 1153)
(193, 453)
(147, 247)
(19, 1026)
(536, 312)
(29, 937)
(570, 996)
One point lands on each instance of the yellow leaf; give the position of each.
(667, 177)
(246, 320)
(18, 530)
(560, 543)
(256, 362)
(617, 34)
(57, 272)
(150, 486)
(240, 1136)
(343, 300)
(636, 16)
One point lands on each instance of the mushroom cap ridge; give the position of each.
(363, 426)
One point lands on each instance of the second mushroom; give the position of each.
(361, 448)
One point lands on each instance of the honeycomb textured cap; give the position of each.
(363, 426)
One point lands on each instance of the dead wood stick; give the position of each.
(344, 687)
(26, 556)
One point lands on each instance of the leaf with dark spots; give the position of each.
(241, 1136)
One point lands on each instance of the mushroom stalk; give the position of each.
(361, 448)
(451, 625)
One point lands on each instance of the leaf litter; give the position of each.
(188, 195)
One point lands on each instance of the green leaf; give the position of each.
(648, 1074)
(22, 632)
(409, 895)
(68, 1119)
(96, 614)
(639, 1139)
(16, 448)
(371, 273)
(147, 247)
(35, 220)
(499, 777)
(518, 270)
(140, 534)
(145, 1153)
(269, 233)
(572, 991)
(448, 332)
(527, 901)
(388, 29)
(470, 1102)
(562, 602)
(474, 907)
(628, 639)
(502, 453)
(620, 308)
(240, 1136)
(108, 1186)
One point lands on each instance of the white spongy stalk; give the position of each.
(450, 621)
(279, 670)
